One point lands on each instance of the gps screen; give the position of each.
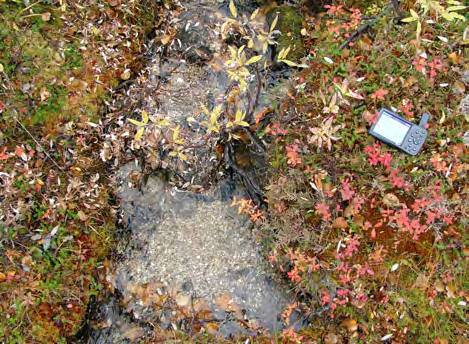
(392, 128)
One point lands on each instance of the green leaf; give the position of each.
(233, 11)
(253, 59)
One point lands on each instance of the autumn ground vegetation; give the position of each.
(373, 242)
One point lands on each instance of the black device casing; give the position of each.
(413, 141)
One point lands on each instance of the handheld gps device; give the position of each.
(400, 133)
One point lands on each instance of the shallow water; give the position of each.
(196, 244)
(194, 248)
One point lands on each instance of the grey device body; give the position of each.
(400, 133)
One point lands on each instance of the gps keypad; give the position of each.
(414, 140)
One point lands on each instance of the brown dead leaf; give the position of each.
(125, 75)
(82, 215)
(351, 324)
(409, 82)
(211, 328)
(44, 93)
(454, 57)
(165, 39)
(182, 300)
(46, 16)
(421, 282)
(348, 212)
(134, 333)
(391, 200)
(223, 302)
(459, 87)
(200, 304)
(359, 303)
(331, 338)
(451, 291)
(439, 286)
(359, 220)
(340, 222)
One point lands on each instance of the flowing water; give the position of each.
(186, 256)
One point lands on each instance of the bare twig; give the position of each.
(253, 189)
(45, 152)
(365, 27)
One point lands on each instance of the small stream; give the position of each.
(187, 259)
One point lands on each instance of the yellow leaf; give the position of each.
(144, 117)
(173, 153)
(281, 54)
(1, 68)
(139, 133)
(274, 23)
(455, 8)
(163, 123)
(233, 52)
(215, 113)
(409, 20)
(140, 124)
(233, 11)
(253, 59)
(175, 133)
(254, 14)
(242, 123)
(419, 30)
(250, 43)
(182, 156)
(239, 115)
(288, 62)
(205, 110)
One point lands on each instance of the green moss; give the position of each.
(289, 24)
